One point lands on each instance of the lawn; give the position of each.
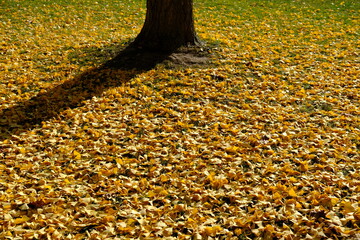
(261, 143)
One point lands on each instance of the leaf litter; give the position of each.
(261, 144)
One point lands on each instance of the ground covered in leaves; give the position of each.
(263, 143)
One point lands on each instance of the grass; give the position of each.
(263, 143)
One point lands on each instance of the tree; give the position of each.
(169, 24)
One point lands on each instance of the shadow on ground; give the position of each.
(28, 114)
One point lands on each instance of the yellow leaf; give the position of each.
(179, 208)
(292, 179)
(348, 207)
(47, 187)
(66, 181)
(151, 194)
(281, 187)
(304, 166)
(164, 178)
(211, 231)
(77, 155)
(163, 192)
(119, 161)
(277, 195)
(232, 149)
(292, 192)
(131, 222)
(269, 228)
(290, 201)
(334, 201)
(143, 183)
(21, 220)
(238, 231)
(6, 206)
(246, 106)
(108, 218)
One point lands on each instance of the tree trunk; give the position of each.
(169, 24)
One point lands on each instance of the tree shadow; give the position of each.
(71, 94)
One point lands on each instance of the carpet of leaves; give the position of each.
(262, 144)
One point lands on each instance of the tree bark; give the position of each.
(169, 24)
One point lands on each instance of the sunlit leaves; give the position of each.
(264, 143)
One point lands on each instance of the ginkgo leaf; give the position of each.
(348, 207)
(212, 231)
(21, 220)
(292, 192)
(77, 155)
